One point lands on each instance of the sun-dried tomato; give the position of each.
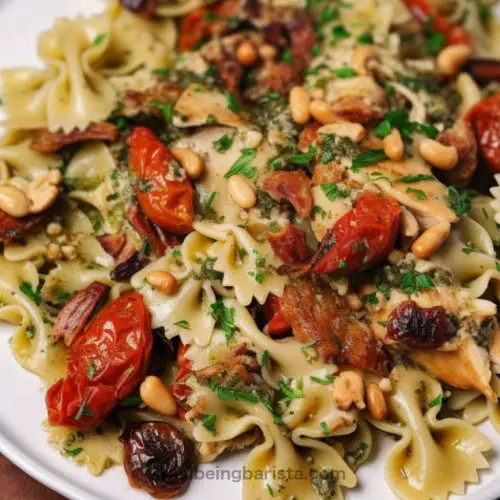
(421, 327)
(484, 118)
(361, 238)
(276, 323)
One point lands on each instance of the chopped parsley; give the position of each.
(73, 453)
(301, 159)
(324, 429)
(265, 358)
(368, 158)
(288, 393)
(242, 165)
(287, 57)
(334, 148)
(327, 15)
(370, 298)
(144, 186)
(413, 283)
(227, 394)
(332, 191)
(224, 317)
(470, 249)
(436, 402)
(418, 193)
(269, 489)
(183, 324)
(339, 33)
(323, 381)
(435, 43)
(232, 103)
(399, 119)
(459, 200)
(208, 422)
(99, 39)
(34, 295)
(131, 402)
(365, 39)
(207, 271)
(344, 72)
(166, 108)
(208, 211)
(411, 179)
(222, 144)
(91, 370)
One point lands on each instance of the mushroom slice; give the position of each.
(198, 105)
(466, 368)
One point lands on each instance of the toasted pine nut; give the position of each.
(348, 390)
(354, 302)
(246, 53)
(43, 192)
(69, 252)
(53, 252)
(317, 93)
(438, 155)
(431, 240)
(375, 401)
(299, 105)
(241, 192)
(55, 177)
(54, 229)
(13, 201)
(393, 145)
(385, 384)
(321, 111)
(267, 52)
(395, 256)
(158, 396)
(193, 164)
(409, 224)
(164, 281)
(451, 59)
(353, 131)
(360, 57)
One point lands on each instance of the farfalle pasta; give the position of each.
(270, 227)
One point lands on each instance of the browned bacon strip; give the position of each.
(112, 243)
(75, 315)
(46, 141)
(290, 245)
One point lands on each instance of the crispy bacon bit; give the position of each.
(289, 245)
(354, 109)
(318, 315)
(12, 228)
(231, 74)
(421, 327)
(326, 174)
(308, 135)
(239, 362)
(146, 8)
(276, 34)
(75, 315)
(140, 102)
(462, 137)
(181, 392)
(291, 186)
(150, 231)
(46, 141)
(112, 243)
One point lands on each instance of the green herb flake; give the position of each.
(162, 72)
(470, 249)
(232, 103)
(166, 108)
(144, 186)
(227, 394)
(83, 411)
(436, 402)
(34, 295)
(208, 422)
(339, 33)
(459, 200)
(99, 39)
(332, 191)
(327, 15)
(324, 429)
(223, 144)
(418, 193)
(301, 159)
(183, 324)
(365, 39)
(242, 165)
(287, 57)
(411, 179)
(269, 489)
(412, 283)
(435, 43)
(323, 381)
(382, 324)
(73, 453)
(344, 72)
(370, 298)
(224, 317)
(265, 358)
(131, 402)
(288, 393)
(91, 370)
(368, 158)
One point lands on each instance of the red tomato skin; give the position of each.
(423, 10)
(484, 119)
(169, 204)
(192, 29)
(117, 346)
(361, 238)
(277, 324)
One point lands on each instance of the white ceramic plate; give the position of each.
(21, 397)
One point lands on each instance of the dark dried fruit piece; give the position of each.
(421, 327)
(158, 458)
(484, 70)
(145, 8)
(125, 270)
(75, 315)
(46, 141)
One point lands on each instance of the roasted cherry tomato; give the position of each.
(182, 362)
(166, 200)
(277, 324)
(105, 364)
(484, 119)
(361, 238)
(425, 10)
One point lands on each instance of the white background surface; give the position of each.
(21, 397)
